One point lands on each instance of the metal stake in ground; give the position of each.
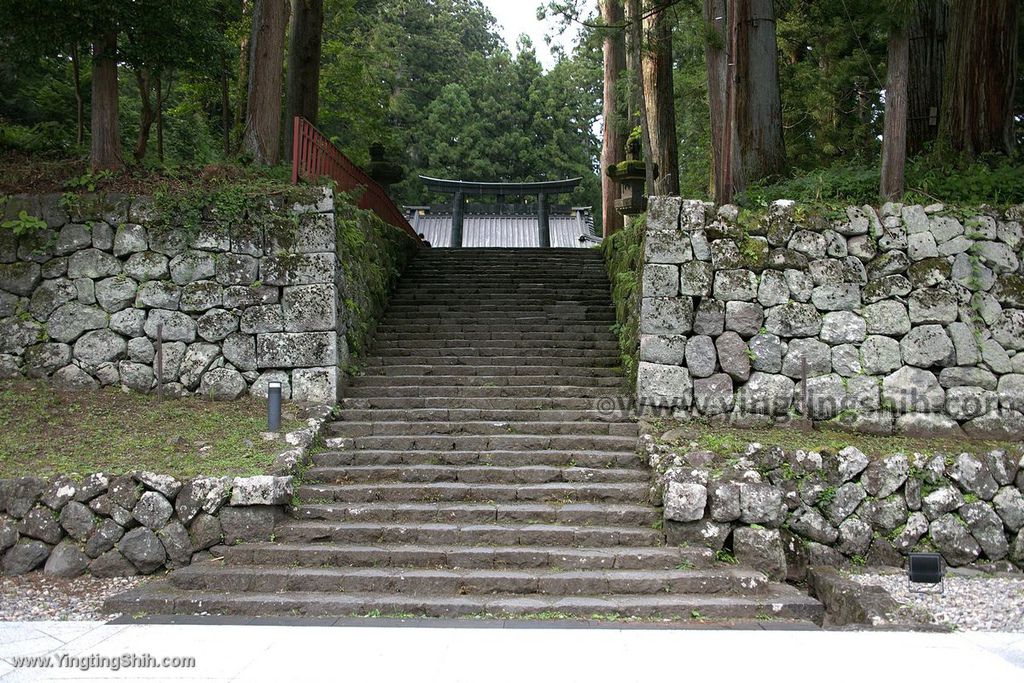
(160, 361)
(274, 406)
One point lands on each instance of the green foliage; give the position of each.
(726, 556)
(373, 254)
(24, 224)
(929, 179)
(623, 254)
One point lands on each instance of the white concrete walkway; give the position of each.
(495, 655)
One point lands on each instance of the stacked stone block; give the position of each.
(83, 301)
(910, 320)
(134, 524)
(784, 511)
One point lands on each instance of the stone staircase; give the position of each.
(476, 469)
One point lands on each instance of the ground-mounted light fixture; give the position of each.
(924, 569)
(274, 406)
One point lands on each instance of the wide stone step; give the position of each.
(479, 414)
(779, 602)
(467, 557)
(410, 474)
(480, 404)
(451, 492)
(424, 582)
(456, 427)
(537, 296)
(485, 442)
(421, 389)
(579, 306)
(454, 292)
(466, 534)
(483, 513)
(605, 337)
(517, 357)
(547, 371)
(497, 326)
(562, 458)
(494, 382)
(391, 353)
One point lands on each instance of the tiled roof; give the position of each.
(492, 230)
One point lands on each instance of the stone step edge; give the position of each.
(159, 597)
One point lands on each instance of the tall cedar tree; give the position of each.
(894, 139)
(614, 142)
(304, 63)
(262, 137)
(105, 153)
(758, 102)
(659, 94)
(981, 75)
(926, 33)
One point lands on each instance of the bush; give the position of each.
(929, 178)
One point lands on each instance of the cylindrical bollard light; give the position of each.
(274, 406)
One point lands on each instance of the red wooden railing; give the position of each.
(314, 157)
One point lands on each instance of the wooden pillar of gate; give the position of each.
(458, 213)
(544, 219)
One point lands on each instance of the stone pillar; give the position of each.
(458, 211)
(544, 219)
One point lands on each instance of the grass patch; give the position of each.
(47, 432)
(725, 441)
(623, 256)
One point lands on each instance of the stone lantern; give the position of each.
(631, 174)
(383, 172)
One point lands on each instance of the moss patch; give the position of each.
(373, 255)
(623, 255)
(47, 432)
(730, 442)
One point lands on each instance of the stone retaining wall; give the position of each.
(241, 304)
(783, 512)
(143, 522)
(910, 320)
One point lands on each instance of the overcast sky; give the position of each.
(516, 17)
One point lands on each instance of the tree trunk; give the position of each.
(225, 108)
(160, 99)
(614, 143)
(716, 56)
(145, 114)
(304, 63)
(981, 74)
(927, 65)
(76, 75)
(731, 171)
(242, 78)
(758, 101)
(659, 92)
(894, 139)
(105, 153)
(634, 57)
(262, 137)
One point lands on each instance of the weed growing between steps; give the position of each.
(623, 255)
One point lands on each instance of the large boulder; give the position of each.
(951, 538)
(760, 549)
(143, 549)
(685, 502)
(66, 561)
(25, 556)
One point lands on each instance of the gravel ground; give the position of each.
(970, 603)
(37, 597)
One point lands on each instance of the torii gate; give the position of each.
(461, 188)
